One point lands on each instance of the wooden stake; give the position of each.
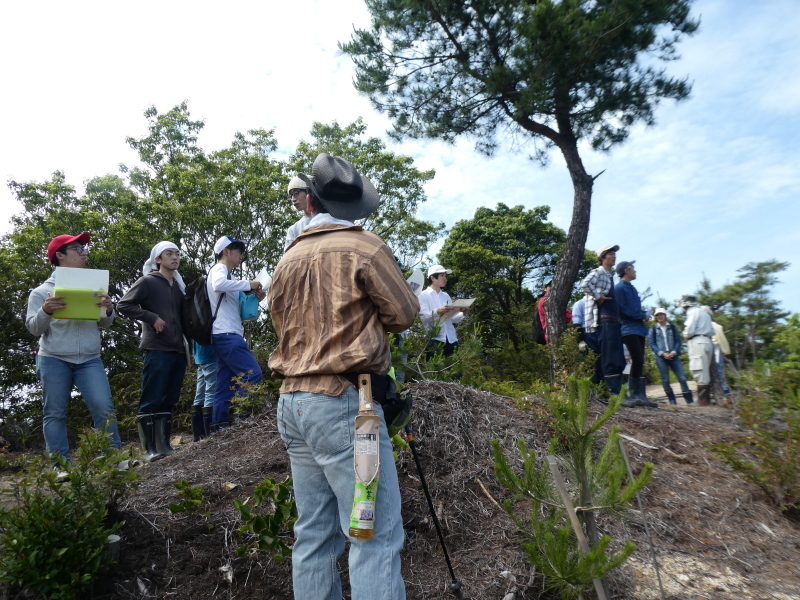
(573, 517)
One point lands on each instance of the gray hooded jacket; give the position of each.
(71, 341)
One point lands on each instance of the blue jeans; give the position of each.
(162, 378)
(234, 360)
(318, 431)
(206, 387)
(57, 377)
(665, 365)
(612, 358)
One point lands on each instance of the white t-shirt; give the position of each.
(295, 230)
(429, 301)
(229, 319)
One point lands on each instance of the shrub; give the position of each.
(278, 513)
(53, 540)
(769, 453)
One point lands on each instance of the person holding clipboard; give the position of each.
(69, 350)
(436, 308)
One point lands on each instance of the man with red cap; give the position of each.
(69, 351)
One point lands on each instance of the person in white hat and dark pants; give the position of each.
(435, 309)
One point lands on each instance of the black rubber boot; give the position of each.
(688, 397)
(163, 429)
(671, 397)
(198, 428)
(629, 401)
(147, 435)
(207, 412)
(640, 384)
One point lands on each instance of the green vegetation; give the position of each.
(272, 514)
(599, 482)
(553, 72)
(52, 541)
(768, 454)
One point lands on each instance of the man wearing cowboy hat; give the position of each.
(69, 351)
(298, 191)
(155, 301)
(435, 308)
(335, 295)
(602, 319)
(698, 332)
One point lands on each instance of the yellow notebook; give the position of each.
(81, 289)
(81, 304)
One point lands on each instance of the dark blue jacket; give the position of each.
(657, 342)
(631, 315)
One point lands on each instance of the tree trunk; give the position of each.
(567, 268)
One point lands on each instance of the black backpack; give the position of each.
(538, 330)
(196, 316)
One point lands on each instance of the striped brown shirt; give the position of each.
(334, 296)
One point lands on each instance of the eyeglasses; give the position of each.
(79, 249)
(294, 193)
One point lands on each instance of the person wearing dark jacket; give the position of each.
(155, 300)
(665, 342)
(632, 318)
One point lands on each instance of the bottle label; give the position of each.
(363, 513)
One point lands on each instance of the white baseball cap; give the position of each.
(604, 249)
(436, 269)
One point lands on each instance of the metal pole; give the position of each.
(455, 584)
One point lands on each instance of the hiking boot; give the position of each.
(147, 434)
(688, 397)
(671, 397)
(163, 430)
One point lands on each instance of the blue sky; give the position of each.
(713, 186)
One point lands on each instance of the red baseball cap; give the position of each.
(62, 240)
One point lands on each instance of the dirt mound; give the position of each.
(715, 535)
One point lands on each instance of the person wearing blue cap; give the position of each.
(632, 318)
(227, 335)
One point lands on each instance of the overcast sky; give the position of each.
(713, 186)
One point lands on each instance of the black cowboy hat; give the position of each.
(342, 190)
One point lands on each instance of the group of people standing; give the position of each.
(335, 296)
(69, 350)
(611, 319)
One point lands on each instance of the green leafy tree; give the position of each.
(745, 309)
(556, 72)
(399, 183)
(499, 257)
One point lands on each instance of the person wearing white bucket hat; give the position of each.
(155, 301)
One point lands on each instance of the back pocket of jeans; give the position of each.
(325, 422)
